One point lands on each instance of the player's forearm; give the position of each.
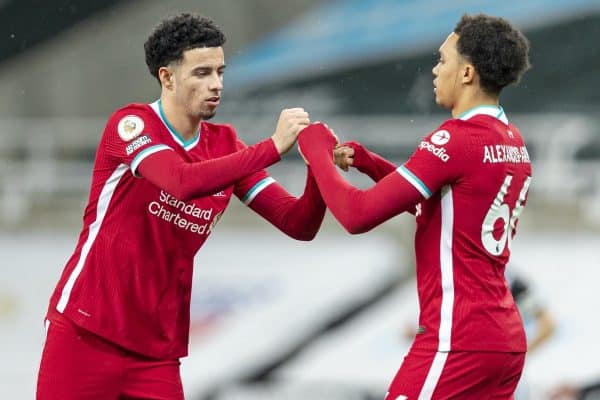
(381, 167)
(189, 180)
(357, 210)
(361, 210)
(370, 163)
(341, 198)
(299, 218)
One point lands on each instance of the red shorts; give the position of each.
(463, 375)
(77, 364)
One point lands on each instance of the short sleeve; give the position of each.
(441, 158)
(247, 188)
(132, 134)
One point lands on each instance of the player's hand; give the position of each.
(360, 155)
(291, 121)
(343, 156)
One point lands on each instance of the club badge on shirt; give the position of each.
(130, 126)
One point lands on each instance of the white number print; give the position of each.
(501, 211)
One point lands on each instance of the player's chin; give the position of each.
(208, 114)
(440, 102)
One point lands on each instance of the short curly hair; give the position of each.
(499, 52)
(174, 35)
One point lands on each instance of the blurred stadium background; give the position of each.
(273, 318)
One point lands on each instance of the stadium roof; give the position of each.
(346, 33)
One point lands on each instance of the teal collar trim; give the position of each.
(186, 144)
(491, 110)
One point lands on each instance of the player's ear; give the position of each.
(166, 77)
(468, 73)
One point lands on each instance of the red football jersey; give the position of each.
(129, 279)
(474, 172)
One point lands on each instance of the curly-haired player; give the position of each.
(467, 184)
(118, 320)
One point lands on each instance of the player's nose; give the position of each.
(216, 82)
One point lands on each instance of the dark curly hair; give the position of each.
(499, 52)
(177, 34)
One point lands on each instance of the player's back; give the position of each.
(492, 192)
(463, 235)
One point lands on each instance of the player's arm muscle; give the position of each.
(361, 210)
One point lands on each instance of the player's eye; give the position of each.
(201, 72)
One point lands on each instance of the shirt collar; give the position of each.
(186, 144)
(491, 110)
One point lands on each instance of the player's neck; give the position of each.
(179, 120)
(472, 99)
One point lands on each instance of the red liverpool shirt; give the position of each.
(129, 279)
(474, 172)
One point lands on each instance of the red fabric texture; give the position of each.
(462, 375)
(77, 364)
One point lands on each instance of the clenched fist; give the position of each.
(291, 121)
(343, 156)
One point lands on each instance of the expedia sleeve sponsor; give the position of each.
(425, 172)
(439, 152)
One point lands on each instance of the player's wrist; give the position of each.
(277, 145)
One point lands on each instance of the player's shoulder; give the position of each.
(462, 125)
(130, 120)
(475, 130)
(449, 132)
(452, 124)
(485, 129)
(133, 108)
(135, 112)
(515, 133)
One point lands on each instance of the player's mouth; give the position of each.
(213, 101)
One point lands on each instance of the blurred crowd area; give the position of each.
(362, 66)
(370, 80)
